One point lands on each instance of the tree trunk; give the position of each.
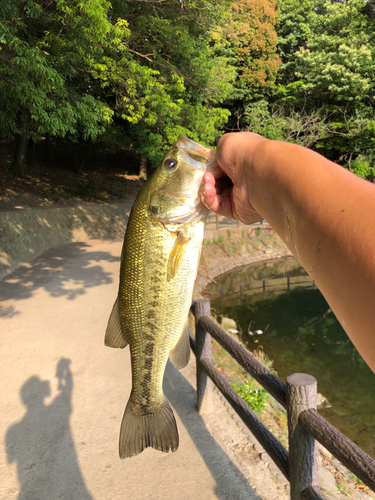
(142, 169)
(80, 163)
(16, 168)
(33, 154)
(47, 149)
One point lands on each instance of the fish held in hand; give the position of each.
(159, 264)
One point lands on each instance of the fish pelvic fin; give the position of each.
(157, 430)
(114, 335)
(180, 354)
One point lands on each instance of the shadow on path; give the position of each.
(220, 465)
(42, 444)
(63, 271)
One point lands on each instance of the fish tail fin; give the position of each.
(157, 429)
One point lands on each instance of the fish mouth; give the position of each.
(198, 157)
(197, 153)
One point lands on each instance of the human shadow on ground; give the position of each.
(56, 271)
(42, 443)
(230, 482)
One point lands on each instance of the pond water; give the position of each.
(301, 334)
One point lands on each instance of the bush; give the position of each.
(362, 168)
(254, 395)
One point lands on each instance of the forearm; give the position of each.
(326, 216)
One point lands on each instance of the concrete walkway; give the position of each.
(64, 393)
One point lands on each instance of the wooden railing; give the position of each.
(297, 396)
(216, 222)
(261, 287)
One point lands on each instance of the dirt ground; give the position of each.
(64, 394)
(55, 181)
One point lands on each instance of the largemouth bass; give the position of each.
(159, 265)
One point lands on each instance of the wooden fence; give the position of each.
(262, 286)
(297, 396)
(216, 222)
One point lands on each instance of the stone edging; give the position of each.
(25, 234)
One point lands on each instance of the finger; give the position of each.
(218, 203)
(217, 195)
(220, 185)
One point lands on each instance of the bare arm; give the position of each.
(323, 213)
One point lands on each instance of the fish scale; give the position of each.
(159, 263)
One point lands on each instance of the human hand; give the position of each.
(230, 194)
(63, 373)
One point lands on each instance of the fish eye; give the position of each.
(170, 164)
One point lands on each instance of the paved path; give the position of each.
(63, 396)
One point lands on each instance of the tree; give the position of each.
(47, 55)
(178, 80)
(279, 123)
(249, 39)
(254, 41)
(327, 50)
(68, 67)
(151, 70)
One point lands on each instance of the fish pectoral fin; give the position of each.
(180, 354)
(176, 255)
(114, 335)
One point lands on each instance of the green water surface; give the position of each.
(301, 334)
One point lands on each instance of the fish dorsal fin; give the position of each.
(180, 354)
(176, 255)
(114, 335)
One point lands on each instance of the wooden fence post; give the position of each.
(301, 392)
(202, 307)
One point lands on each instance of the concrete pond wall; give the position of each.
(25, 234)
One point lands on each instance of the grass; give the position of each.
(253, 393)
(343, 488)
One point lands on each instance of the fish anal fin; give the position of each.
(156, 429)
(114, 335)
(176, 255)
(180, 354)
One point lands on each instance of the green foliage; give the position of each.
(68, 68)
(362, 168)
(254, 395)
(327, 49)
(178, 78)
(47, 56)
(281, 123)
(139, 74)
